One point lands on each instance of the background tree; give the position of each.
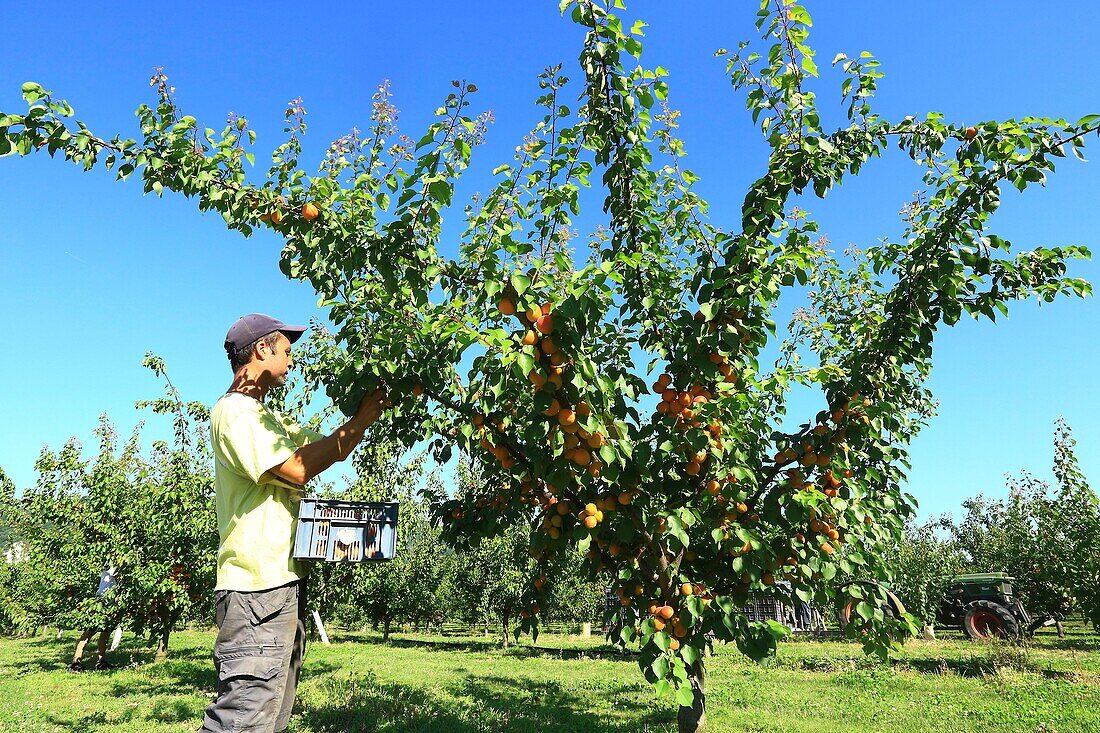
(530, 349)
(573, 597)
(405, 589)
(168, 525)
(152, 518)
(494, 576)
(68, 538)
(1046, 537)
(924, 561)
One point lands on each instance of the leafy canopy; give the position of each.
(530, 350)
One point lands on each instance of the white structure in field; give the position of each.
(15, 553)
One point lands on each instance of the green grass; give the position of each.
(448, 684)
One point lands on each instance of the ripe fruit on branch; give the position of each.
(310, 212)
(686, 589)
(545, 323)
(970, 133)
(530, 338)
(506, 306)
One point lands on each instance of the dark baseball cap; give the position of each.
(256, 325)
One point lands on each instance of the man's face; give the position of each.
(278, 361)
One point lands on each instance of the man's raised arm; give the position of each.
(313, 458)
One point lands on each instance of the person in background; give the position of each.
(106, 618)
(262, 461)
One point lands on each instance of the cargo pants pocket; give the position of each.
(250, 687)
(266, 605)
(260, 662)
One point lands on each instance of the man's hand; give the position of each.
(371, 406)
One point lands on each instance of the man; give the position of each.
(262, 462)
(105, 617)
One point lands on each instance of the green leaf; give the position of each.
(32, 92)
(660, 667)
(684, 696)
(440, 191)
(521, 283)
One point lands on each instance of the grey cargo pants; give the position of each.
(258, 657)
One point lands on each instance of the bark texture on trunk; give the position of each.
(694, 719)
(928, 632)
(386, 629)
(504, 631)
(168, 622)
(1061, 629)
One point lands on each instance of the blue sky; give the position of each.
(95, 274)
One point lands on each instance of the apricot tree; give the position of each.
(535, 349)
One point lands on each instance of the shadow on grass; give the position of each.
(491, 646)
(166, 711)
(358, 704)
(1074, 642)
(980, 666)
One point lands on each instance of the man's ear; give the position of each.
(260, 351)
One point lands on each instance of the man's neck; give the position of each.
(249, 384)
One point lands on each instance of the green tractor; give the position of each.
(984, 606)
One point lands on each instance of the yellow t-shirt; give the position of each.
(257, 511)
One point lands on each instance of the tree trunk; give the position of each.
(928, 632)
(694, 719)
(386, 629)
(162, 644)
(1061, 629)
(504, 630)
(168, 622)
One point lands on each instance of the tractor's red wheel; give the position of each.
(986, 625)
(985, 620)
